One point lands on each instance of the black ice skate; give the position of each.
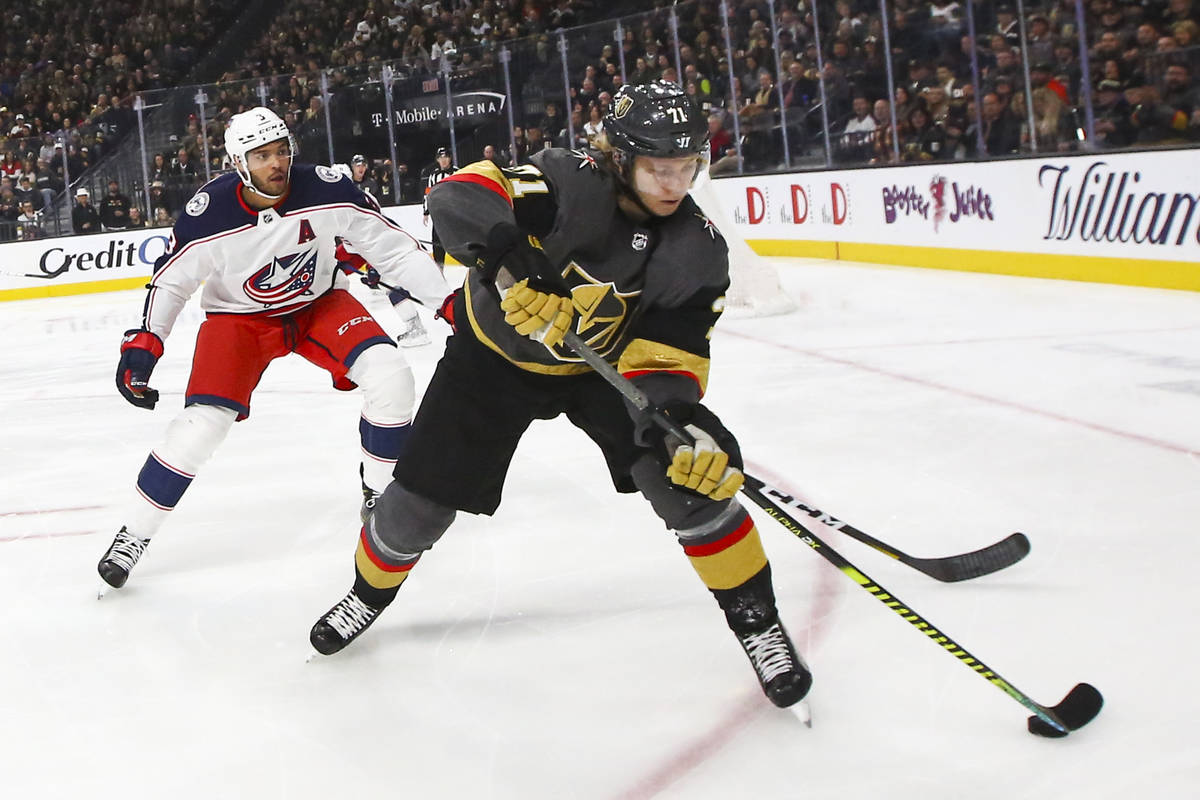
(122, 554)
(342, 624)
(783, 674)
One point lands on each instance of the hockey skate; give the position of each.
(414, 334)
(783, 674)
(120, 557)
(342, 624)
(370, 496)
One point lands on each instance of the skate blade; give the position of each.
(802, 712)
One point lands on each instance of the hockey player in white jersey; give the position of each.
(266, 242)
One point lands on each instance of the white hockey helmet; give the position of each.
(252, 129)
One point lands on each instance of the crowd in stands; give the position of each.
(68, 75)
(1143, 57)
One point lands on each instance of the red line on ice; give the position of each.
(59, 535)
(752, 703)
(1136, 437)
(48, 511)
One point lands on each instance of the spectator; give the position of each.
(1007, 25)
(798, 88)
(386, 187)
(551, 122)
(84, 218)
(862, 121)
(904, 102)
(921, 140)
(1113, 126)
(956, 146)
(1145, 41)
(1001, 133)
(25, 193)
(162, 217)
(160, 170)
(136, 218)
(594, 126)
(580, 139)
(518, 147)
(183, 167)
(1051, 121)
(10, 167)
(758, 119)
(29, 222)
(49, 148)
(159, 198)
(587, 94)
(362, 178)
(1040, 48)
(719, 139)
(408, 190)
(46, 183)
(535, 142)
(10, 209)
(490, 154)
(114, 209)
(936, 102)
(1066, 66)
(1182, 97)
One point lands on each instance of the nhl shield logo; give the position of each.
(640, 241)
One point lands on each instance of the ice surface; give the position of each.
(564, 648)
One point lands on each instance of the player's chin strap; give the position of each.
(248, 182)
(250, 186)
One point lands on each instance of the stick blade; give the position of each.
(985, 561)
(1078, 708)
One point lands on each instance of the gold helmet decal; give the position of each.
(622, 106)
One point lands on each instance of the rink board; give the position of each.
(1128, 218)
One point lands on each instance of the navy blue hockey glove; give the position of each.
(538, 303)
(140, 351)
(352, 263)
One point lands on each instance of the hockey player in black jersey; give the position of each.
(607, 243)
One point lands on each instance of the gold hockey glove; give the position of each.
(703, 467)
(541, 315)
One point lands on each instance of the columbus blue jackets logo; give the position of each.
(284, 279)
(195, 207)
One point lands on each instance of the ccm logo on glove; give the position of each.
(140, 351)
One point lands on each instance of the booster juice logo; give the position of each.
(969, 201)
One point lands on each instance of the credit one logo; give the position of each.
(119, 254)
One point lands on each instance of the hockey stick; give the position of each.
(1078, 708)
(948, 569)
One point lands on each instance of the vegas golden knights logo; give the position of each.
(601, 311)
(622, 107)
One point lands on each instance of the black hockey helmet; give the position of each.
(654, 119)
